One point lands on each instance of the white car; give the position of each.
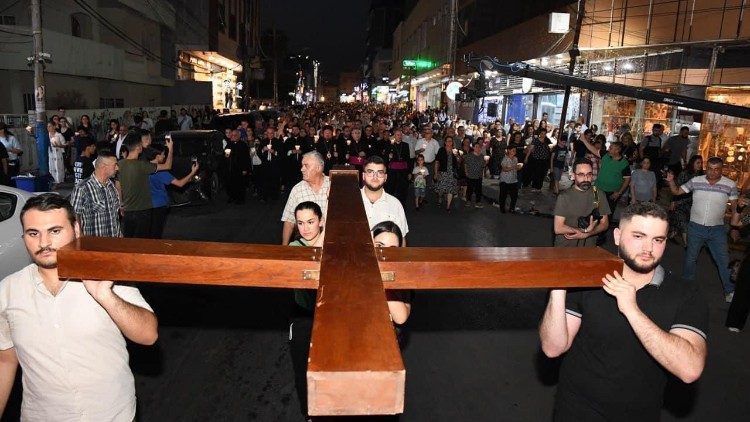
(13, 255)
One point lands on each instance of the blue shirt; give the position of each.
(158, 183)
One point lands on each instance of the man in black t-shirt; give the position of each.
(623, 340)
(84, 165)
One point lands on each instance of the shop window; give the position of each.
(8, 20)
(28, 102)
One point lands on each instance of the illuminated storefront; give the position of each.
(221, 72)
(727, 137)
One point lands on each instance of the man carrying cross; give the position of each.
(620, 339)
(67, 336)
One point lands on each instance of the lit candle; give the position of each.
(227, 152)
(455, 151)
(296, 147)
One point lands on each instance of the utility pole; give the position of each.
(275, 70)
(574, 53)
(42, 137)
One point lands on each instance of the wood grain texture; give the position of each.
(188, 262)
(494, 268)
(355, 365)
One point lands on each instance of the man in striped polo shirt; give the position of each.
(711, 193)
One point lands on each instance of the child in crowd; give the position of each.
(420, 173)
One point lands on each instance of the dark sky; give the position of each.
(333, 30)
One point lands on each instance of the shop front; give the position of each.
(727, 137)
(221, 72)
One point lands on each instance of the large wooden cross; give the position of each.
(355, 365)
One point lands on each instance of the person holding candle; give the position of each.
(474, 165)
(237, 158)
(398, 166)
(420, 173)
(447, 163)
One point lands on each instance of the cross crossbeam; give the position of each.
(355, 366)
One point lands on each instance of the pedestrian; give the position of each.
(84, 166)
(420, 174)
(680, 205)
(614, 175)
(622, 342)
(13, 150)
(398, 166)
(96, 200)
(379, 205)
(428, 147)
(557, 162)
(740, 307)
(68, 337)
(711, 193)
(237, 159)
(651, 146)
(314, 187)
(581, 212)
(184, 121)
(134, 185)
(474, 165)
(4, 168)
(56, 148)
(445, 169)
(158, 183)
(509, 179)
(537, 160)
(272, 163)
(643, 183)
(675, 148)
(163, 124)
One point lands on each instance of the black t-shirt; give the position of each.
(559, 153)
(3, 156)
(82, 168)
(607, 372)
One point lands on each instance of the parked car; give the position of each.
(205, 146)
(13, 255)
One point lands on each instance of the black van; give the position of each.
(205, 146)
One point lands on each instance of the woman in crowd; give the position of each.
(681, 204)
(536, 160)
(643, 183)
(740, 307)
(85, 124)
(447, 163)
(57, 146)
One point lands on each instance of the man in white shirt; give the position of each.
(379, 205)
(184, 121)
(68, 336)
(428, 147)
(710, 195)
(120, 138)
(314, 187)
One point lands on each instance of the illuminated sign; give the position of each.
(418, 64)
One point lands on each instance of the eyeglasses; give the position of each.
(375, 173)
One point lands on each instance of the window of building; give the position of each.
(111, 103)
(80, 25)
(28, 102)
(8, 20)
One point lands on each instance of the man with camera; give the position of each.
(581, 212)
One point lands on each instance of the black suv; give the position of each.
(205, 146)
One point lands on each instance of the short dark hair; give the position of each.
(376, 159)
(643, 209)
(588, 132)
(309, 205)
(48, 202)
(582, 161)
(657, 126)
(388, 227)
(715, 161)
(132, 140)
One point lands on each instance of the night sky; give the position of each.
(333, 30)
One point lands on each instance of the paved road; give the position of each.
(472, 355)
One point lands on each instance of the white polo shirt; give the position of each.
(73, 356)
(386, 208)
(710, 201)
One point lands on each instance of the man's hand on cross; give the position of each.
(98, 289)
(622, 290)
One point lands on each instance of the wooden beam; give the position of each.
(494, 268)
(188, 262)
(355, 365)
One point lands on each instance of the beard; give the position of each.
(373, 188)
(631, 262)
(584, 185)
(47, 263)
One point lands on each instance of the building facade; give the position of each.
(110, 55)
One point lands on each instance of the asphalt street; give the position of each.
(223, 354)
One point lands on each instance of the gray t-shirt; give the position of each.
(573, 203)
(677, 146)
(643, 182)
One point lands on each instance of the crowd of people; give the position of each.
(655, 325)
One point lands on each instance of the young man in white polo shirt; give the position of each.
(68, 336)
(379, 205)
(710, 195)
